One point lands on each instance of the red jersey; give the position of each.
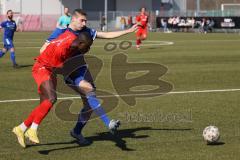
(143, 19)
(58, 51)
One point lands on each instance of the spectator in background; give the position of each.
(123, 23)
(170, 23)
(206, 25)
(176, 21)
(64, 20)
(130, 21)
(164, 25)
(103, 23)
(192, 22)
(203, 26)
(210, 24)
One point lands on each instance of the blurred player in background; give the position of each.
(64, 20)
(54, 53)
(9, 27)
(142, 21)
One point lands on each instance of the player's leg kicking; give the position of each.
(84, 86)
(46, 86)
(94, 103)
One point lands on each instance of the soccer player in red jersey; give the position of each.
(142, 21)
(53, 57)
(75, 40)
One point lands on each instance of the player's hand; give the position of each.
(133, 28)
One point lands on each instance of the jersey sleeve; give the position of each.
(57, 32)
(3, 25)
(92, 32)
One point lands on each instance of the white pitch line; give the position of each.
(97, 46)
(127, 95)
(152, 43)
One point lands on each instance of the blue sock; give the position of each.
(12, 55)
(78, 128)
(1, 53)
(96, 106)
(83, 117)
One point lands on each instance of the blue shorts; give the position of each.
(77, 76)
(8, 43)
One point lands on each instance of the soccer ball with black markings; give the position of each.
(211, 134)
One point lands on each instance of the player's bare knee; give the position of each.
(86, 87)
(4, 50)
(12, 50)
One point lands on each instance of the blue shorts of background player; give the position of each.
(8, 44)
(9, 26)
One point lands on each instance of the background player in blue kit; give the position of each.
(9, 27)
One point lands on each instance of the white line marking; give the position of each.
(146, 43)
(37, 41)
(127, 95)
(153, 43)
(96, 46)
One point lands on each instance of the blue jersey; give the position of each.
(9, 29)
(82, 72)
(58, 31)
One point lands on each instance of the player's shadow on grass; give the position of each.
(24, 66)
(106, 136)
(154, 48)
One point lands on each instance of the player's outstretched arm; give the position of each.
(44, 47)
(109, 35)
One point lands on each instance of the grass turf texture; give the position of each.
(161, 127)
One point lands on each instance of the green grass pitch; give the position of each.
(157, 127)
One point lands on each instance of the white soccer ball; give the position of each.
(211, 134)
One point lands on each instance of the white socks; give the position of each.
(34, 126)
(23, 127)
